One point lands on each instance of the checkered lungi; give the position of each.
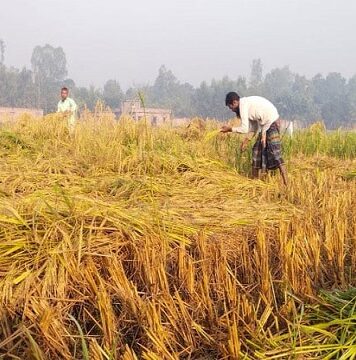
(271, 157)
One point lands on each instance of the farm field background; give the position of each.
(131, 242)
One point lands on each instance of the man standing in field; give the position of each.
(258, 115)
(68, 107)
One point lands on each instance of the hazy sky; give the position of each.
(198, 40)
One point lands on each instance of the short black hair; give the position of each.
(64, 89)
(230, 97)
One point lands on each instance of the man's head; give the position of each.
(232, 100)
(64, 93)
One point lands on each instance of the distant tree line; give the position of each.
(331, 98)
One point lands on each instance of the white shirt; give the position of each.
(68, 105)
(256, 112)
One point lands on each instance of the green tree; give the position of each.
(112, 94)
(351, 99)
(49, 62)
(49, 66)
(301, 105)
(277, 87)
(25, 88)
(256, 77)
(169, 93)
(7, 86)
(330, 93)
(16, 87)
(184, 101)
(210, 99)
(164, 88)
(87, 96)
(278, 82)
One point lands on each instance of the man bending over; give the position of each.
(258, 115)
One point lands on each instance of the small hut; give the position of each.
(155, 116)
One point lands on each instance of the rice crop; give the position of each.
(125, 241)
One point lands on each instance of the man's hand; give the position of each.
(244, 144)
(263, 140)
(226, 129)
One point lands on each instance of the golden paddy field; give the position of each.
(130, 242)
